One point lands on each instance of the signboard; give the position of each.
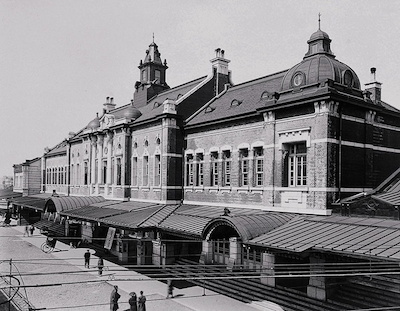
(109, 239)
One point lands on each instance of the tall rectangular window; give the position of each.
(66, 175)
(297, 165)
(258, 166)
(119, 172)
(78, 174)
(199, 169)
(157, 74)
(189, 170)
(86, 173)
(243, 167)
(145, 171)
(104, 172)
(134, 171)
(72, 175)
(214, 168)
(157, 170)
(226, 168)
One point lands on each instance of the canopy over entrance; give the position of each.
(245, 227)
(59, 204)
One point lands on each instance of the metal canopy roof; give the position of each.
(59, 204)
(92, 213)
(347, 235)
(250, 226)
(131, 219)
(30, 201)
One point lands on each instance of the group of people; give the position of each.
(135, 303)
(29, 229)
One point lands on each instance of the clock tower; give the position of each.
(152, 76)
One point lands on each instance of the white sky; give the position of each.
(60, 59)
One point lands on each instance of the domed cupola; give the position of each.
(318, 65)
(94, 124)
(132, 113)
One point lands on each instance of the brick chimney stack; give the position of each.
(221, 70)
(109, 104)
(374, 87)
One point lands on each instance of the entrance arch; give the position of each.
(224, 236)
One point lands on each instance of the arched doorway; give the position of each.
(220, 235)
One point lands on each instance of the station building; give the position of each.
(245, 175)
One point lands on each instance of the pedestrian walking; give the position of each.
(31, 229)
(170, 289)
(142, 302)
(132, 302)
(114, 299)
(87, 259)
(100, 265)
(26, 233)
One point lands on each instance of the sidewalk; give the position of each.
(187, 299)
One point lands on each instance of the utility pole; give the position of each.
(9, 292)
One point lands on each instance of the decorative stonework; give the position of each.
(295, 135)
(269, 116)
(323, 106)
(370, 116)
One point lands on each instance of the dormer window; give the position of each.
(348, 78)
(144, 75)
(235, 103)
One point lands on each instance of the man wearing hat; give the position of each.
(114, 299)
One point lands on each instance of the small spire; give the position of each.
(319, 21)
(153, 37)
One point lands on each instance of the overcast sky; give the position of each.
(60, 59)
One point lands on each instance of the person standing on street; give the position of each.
(114, 299)
(100, 265)
(87, 259)
(132, 302)
(170, 289)
(142, 302)
(26, 230)
(31, 229)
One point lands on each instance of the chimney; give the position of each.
(220, 70)
(109, 105)
(374, 87)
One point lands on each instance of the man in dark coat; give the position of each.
(142, 302)
(114, 299)
(87, 259)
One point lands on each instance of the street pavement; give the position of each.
(86, 289)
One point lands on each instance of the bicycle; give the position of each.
(49, 245)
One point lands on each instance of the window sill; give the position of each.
(145, 189)
(225, 189)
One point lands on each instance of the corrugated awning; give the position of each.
(9, 194)
(37, 203)
(346, 235)
(133, 218)
(92, 213)
(59, 204)
(250, 226)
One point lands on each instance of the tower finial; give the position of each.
(153, 37)
(319, 21)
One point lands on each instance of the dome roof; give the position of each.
(319, 34)
(94, 124)
(132, 113)
(318, 65)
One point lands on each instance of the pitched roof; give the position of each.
(238, 100)
(354, 236)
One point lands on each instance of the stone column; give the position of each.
(206, 253)
(317, 285)
(109, 138)
(100, 141)
(93, 145)
(268, 269)
(235, 253)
